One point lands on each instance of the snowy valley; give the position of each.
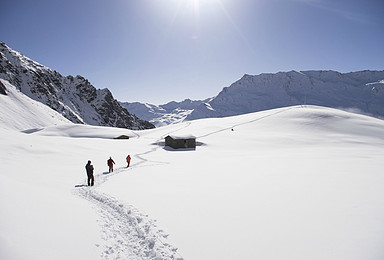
(293, 181)
(290, 183)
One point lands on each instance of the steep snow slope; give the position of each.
(300, 182)
(73, 97)
(19, 112)
(362, 91)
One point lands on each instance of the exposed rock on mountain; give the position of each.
(73, 97)
(3, 90)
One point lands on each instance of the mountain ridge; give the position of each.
(361, 90)
(73, 97)
(79, 101)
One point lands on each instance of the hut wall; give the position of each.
(180, 143)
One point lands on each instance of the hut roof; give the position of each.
(186, 136)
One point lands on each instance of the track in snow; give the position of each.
(128, 233)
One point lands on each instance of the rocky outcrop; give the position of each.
(73, 97)
(3, 90)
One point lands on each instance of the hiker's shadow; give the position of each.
(80, 185)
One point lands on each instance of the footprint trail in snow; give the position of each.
(128, 233)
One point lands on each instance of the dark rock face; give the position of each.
(3, 90)
(73, 97)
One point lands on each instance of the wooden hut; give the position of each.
(177, 142)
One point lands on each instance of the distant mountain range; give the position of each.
(160, 115)
(80, 102)
(361, 91)
(73, 97)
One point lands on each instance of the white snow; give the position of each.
(184, 136)
(20, 112)
(301, 182)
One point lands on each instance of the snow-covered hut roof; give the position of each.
(185, 136)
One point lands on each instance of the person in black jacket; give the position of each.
(110, 163)
(89, 168)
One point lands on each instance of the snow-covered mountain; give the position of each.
(73, 97)
(361, 91)
(170, 113)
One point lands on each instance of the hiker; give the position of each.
(110, 163)
(89, 168)
(128, 160)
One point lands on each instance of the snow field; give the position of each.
(285, 184)
(289, 183)
(41, 219)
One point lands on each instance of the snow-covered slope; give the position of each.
(300, 183)
(19, 112)
(73, 97)
(362, 91)
(170, 113)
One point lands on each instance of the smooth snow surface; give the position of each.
(19, 112)
(289, 183)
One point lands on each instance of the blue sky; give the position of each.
(158, 51)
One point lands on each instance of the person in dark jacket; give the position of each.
(110, 163)
(89, 168)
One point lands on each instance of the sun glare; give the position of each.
(194, 9)
(193, 4)
(196, 4)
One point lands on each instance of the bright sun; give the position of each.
(193, 10)
(197, 3)
(192, 3)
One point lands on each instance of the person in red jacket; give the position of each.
(110, 163)
(128, 160)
